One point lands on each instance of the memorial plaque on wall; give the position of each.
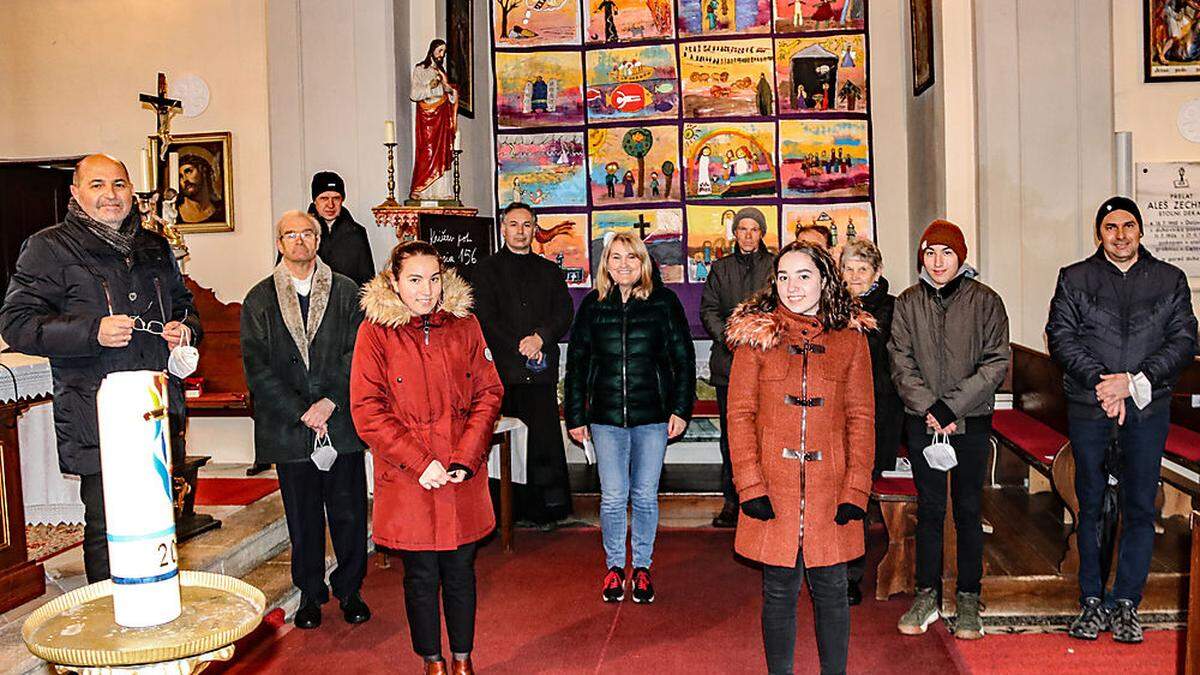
(463, 241)
(1168, 194)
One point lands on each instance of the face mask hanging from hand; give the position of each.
(940, 454)
(184, 357)
(323, 454)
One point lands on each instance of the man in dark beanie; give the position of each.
(1122, 327)
(732, 279)
(950, 353)
(344, 244)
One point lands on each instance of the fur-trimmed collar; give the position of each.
(750, 325)
(289, 305)
(383, 306)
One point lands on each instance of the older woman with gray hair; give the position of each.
(862, 269)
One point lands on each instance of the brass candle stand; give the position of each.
(390, 202)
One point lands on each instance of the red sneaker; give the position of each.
(643, 589)
(614, 585)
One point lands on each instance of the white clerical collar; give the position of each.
(304, 286)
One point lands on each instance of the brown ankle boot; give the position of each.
(462, 667)
(435, 668)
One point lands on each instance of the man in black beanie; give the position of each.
(344, 244)
(1122, 327)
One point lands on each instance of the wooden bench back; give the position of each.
(1037, 387)
(1182, 412)
(220, 355)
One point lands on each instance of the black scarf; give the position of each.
(120, 238)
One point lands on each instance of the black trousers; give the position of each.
(827, 587)
(95, 530)
(966, 487)
(310, 496)
(727, 488)
(546, 495)
(454, 572)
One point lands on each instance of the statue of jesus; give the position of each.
(435, 126)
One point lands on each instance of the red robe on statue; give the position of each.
(435, 128)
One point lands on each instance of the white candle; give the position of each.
(457, 139)
(173, 171)
(146, 179)
(389, 131)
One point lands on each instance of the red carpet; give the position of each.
(233, 491)
(540, 612)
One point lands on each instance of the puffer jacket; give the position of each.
(67, 279)
(423, 388)
(733, 279)
(1105, 321)
(796, 386)
(949, 350)
(629, 363)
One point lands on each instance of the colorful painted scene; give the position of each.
(660, 229)
(803, 16)
(824, 158)
(535, 23)
(725, 161)
(728, 79)
(541, 169)
(537, 89)
(714, 17)
(710, 235)
(613, 21)
(630, 165)
(845, 221)
(822, 75)
(632, 83)
(562, 238)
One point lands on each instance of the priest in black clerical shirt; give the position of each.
(522, 302)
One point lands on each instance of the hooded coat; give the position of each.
(780, 359)
(424, 388)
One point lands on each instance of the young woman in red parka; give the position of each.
(425, 396)
(802, 444)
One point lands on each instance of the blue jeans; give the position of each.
(1142, 450)
(630, 462)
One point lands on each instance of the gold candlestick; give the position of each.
(390, 202)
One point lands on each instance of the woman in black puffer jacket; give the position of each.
(630, 385)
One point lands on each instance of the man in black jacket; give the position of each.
(732, 279)
(1122, 327)
(523, 305)
(98, 294)
(298, 331)
(344, 244)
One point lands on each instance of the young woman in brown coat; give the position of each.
(802, 444)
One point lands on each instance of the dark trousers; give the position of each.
(546, 495)
(827, 587)
(454, 572)
(1142, 444)
(310, 496)
(95, 531)
(966, 489)
(726, 466)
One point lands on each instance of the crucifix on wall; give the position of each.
(164, 108)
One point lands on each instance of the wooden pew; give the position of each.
(1183, 444)
(225, 393)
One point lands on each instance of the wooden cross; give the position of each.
(641, 226)
(163, 108)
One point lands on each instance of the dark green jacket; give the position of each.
(631, 363)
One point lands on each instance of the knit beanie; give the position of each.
(1119, 204)
(753, 213)
(945, 233)
(325, 181)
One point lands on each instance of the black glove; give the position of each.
(467, 473)
(759, 508)
(847, 513)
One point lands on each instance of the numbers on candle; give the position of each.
(167, 554)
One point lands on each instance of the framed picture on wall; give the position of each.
(1171, 51)
(460, 54)
(198, 169)
(921, 12)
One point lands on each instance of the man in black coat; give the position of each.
(344, 244)
(732, 279)
(298, 331)
(523, 305)
(98, 294)
(1121, 326)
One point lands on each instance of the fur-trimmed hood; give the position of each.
(763, 330)
(383, 306)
